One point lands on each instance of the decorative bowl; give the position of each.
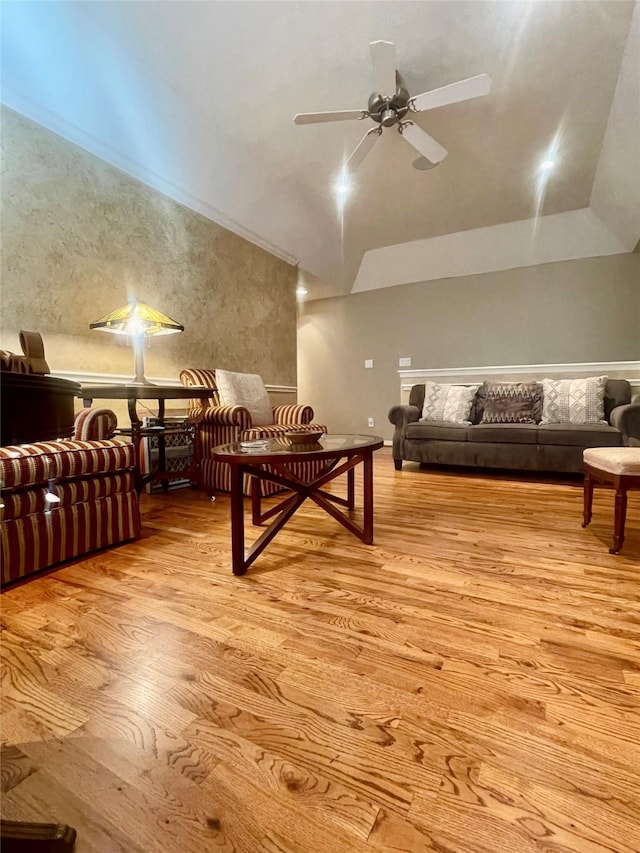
(300, 437)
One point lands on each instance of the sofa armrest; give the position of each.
(401, 417)
(627, 419)
(292, 414)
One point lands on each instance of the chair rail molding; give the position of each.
(123, 379)
(629, 370)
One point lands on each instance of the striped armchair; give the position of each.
(226, 424)
(64, 498)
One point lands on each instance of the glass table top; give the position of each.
(328, 445)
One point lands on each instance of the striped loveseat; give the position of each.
(64, 498)
(226, 424)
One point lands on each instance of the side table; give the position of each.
(160, 393)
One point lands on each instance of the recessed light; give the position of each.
(547, 165)
(301, 291)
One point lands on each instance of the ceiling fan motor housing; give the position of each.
(388, 111)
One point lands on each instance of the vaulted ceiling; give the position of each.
(197, 99)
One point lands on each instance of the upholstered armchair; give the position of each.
(64, 498)
(224, 424)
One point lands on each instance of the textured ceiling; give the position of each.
(199, 97)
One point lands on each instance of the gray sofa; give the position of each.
(526, 447)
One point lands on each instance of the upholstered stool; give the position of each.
(619, 468)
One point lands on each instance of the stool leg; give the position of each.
(619, 520)
(588, 498)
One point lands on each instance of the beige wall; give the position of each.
(575, 311)
(79, 236)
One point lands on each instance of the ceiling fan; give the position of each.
(390, 103)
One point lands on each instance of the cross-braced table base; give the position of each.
(276, 472)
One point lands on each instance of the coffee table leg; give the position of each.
(237, 521)
(351, 488)
(367, 463)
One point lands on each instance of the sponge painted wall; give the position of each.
(79, 237)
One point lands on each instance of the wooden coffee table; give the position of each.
(273, 464)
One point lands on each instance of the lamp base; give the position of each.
(138, 350)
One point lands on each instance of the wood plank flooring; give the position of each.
(469, 684)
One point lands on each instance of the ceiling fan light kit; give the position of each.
(390, 103)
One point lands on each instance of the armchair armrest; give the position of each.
(222, 416)
(627, 419)
(401, 417)
(292, 414)
(94, 424)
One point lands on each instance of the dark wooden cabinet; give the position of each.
(35, 407)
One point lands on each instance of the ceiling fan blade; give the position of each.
(422, 142)
(383, 55)
(337, 115)
(463, 90)
(362, 149)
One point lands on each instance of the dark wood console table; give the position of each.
(271, 464)
(160, 393)
(35, 407)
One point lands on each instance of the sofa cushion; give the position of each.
(448, 403)
(30, 464)
(248, 390)
(510, 402)
(579, 435)
(434, 430)
(504, 433)
(573, 401)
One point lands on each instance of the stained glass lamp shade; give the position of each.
(139, 321)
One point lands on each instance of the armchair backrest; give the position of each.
(232, 389)
(191, 376)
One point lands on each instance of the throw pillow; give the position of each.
(573, 401)
(448, 403)
(511, 402)
(245, 389)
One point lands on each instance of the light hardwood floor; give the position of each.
(469, 684)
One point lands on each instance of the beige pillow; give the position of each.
(448, 403)
(245, 389)
(573, 401)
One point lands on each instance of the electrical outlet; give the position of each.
(369, 422)
(368, 362)
(404, 362)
